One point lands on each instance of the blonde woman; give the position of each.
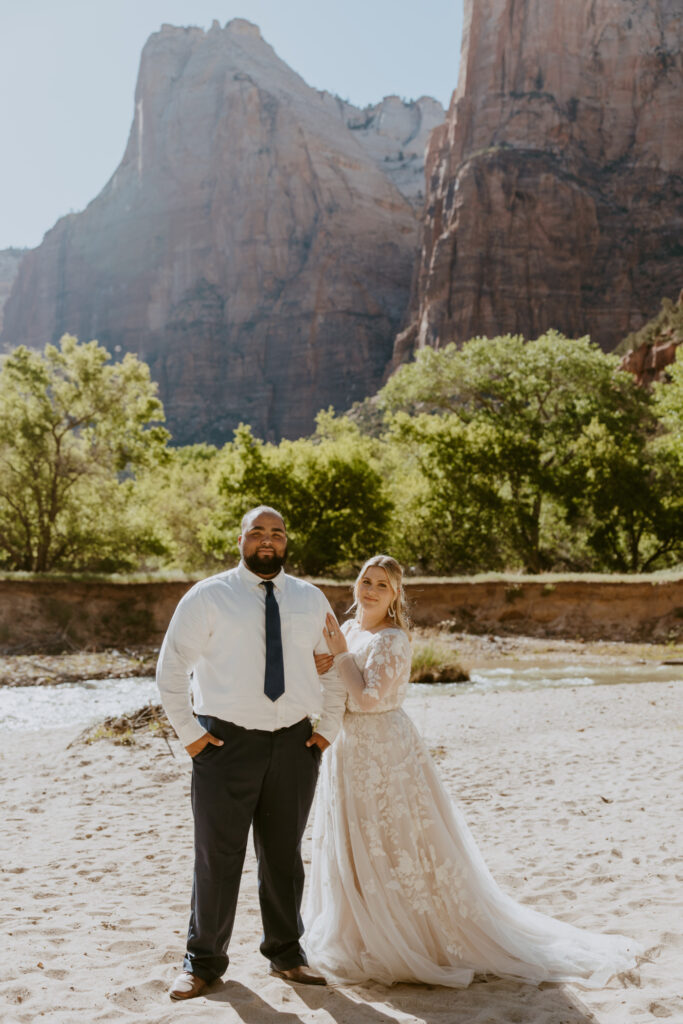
(398, 890)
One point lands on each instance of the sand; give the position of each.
(575, 797)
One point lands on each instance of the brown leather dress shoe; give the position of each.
(187, 986)
(301, 974)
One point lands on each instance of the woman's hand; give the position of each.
(323, 663)
(336, 641)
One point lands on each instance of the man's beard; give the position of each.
(269, 566)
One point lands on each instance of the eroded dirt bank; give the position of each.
(62, 615)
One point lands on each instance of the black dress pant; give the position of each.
(266, 779)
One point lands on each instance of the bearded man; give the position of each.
(242, 644)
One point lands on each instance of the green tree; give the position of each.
(626, 500)
(512, 428)
(623, 489)
(668, 397)
(666, 326)
(74, 429)
(180, 495)
(328, 488)
(447, 506)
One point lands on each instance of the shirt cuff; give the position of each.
(328, 729)
(190, 731)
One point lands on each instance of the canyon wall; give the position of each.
(9, 268)
(254, 246)
(260, 241)
(554, 188)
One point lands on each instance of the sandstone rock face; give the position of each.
(554, 187)
(649, 361)
(250, 246)
(395, 134)
(9, 266)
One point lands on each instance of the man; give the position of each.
(246, 637)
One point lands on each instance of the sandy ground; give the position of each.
(575, 797)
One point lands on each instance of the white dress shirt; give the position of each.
(215, 649)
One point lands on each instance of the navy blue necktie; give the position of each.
(274, 684)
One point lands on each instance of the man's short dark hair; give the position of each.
(257, 511)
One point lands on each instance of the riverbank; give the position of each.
(77, 666)
(574, 796)
(55, 615)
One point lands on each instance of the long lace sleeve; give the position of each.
(334, 692)
(386, 664)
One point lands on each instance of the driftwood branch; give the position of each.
(150, 715)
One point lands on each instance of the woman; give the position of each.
(398, 890)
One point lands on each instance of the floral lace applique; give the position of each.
(383, 659)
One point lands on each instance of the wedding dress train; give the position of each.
(398, 890)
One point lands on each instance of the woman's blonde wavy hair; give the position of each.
(395, 576)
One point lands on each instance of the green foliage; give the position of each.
(666, 326)
(624, 493)
(74, 429)
(501, 455)
(447, 507)
(434, 662)
(180, 494)
(328, 489)
(668, 398)
(510, 436)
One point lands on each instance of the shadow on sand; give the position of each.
(496, 1001)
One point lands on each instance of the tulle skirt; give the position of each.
(398, 890)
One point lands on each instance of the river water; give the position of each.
(542, 677)
(80, 704)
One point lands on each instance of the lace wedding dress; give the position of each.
(398, 890)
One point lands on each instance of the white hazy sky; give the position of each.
(68, 71)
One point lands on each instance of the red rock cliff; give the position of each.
(249, 246)
(554, 188)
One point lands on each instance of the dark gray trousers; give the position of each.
(266, 779)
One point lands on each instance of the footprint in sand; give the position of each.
(16, 994)
(129, 946)
(630, 979)
(137, 997)
(659, 1010)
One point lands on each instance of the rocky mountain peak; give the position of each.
(395, 133)
(252, 247)
(241, 27)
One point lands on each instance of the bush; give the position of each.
(433, 662)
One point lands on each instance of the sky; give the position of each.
(68, 71)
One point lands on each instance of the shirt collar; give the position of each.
(252, 580)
